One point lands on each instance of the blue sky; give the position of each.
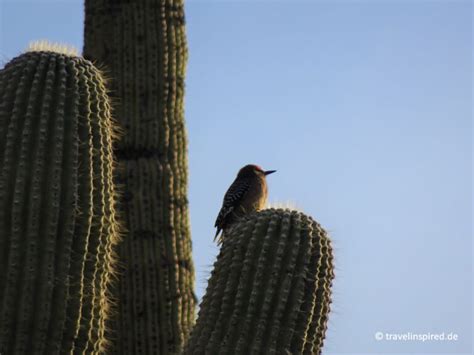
(365, 110)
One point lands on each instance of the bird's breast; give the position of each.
(256, 196)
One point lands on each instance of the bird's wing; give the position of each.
(234, 194)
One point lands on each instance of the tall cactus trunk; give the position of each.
(57, 216)
(141, 45)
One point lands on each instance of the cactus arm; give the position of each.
(269, 290)
(57, 216)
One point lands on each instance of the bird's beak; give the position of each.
(268, 172)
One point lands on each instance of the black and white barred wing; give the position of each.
(232, 198)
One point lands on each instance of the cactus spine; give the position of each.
(57, 217)
(142, 47)
(270, 289)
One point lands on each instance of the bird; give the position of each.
(248, 193)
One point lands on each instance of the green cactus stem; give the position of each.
(57, 216)
(270, 289)
(141, 45)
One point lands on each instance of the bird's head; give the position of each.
(253, 170)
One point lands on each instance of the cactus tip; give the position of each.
(287, 205)
(47, 46)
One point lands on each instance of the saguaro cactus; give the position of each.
(270, 289)
(141, 45)
(57, 216)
